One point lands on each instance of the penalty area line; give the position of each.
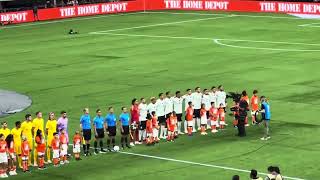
(199, 164)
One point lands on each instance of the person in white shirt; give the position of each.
(177, 107)
(206, 100)
(142, 119)
(213, 94)
(168, 104)
(221, 98)
(152, 105)
(160, 112)
(188, 98)
(196, 101)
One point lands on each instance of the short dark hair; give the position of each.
(133, 100)
(160, 94)
(4, 122)
(55, 133)
(1, 135)
(196, 88)
(17, 123)
(276, 169)
(270, 168)
(255, 91)
(244, 93)
(122, 108)
(188, 89)
(141, 98)
(253, 173)
(110, 107)
(205, 89)
(189, 103)
(62, 112)
(98, 110)
(213, 87)
(236, 177)
(177, 92)
(38, 113)
(27, 116)
(167, 93)
(153, 112)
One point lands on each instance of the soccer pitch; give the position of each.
(118, 57)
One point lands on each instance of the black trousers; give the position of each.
(241, 127)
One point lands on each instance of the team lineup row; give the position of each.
(143, 123)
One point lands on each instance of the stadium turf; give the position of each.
(148, 53)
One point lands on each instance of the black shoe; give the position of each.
(122, 147)
(96, 152)
(128, 146)
(109, 150)
(103, 151)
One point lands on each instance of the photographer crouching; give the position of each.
(240, 110)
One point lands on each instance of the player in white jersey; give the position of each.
(177, 107)
(188, 98)
(196, 101)
(206, 100)
(213, 94)
(152, 105)
(160, 112)
(168, 104)
(142, 119)
(221, 97)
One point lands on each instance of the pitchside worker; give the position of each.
(266, 116)
(85, 125)
(111, 127)
(98, 132)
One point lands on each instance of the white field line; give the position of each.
(68, 20)
(310, 24)
(201, 164)
(164, 24)
(217, 41)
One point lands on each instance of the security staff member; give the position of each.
(243, 108)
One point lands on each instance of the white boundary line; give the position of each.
(200, 164)
(309, 25)
(217, 41)
(68, 20)
(164, 24)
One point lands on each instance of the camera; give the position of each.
(235, 96)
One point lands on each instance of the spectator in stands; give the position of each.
(254, 175)
(236, 177)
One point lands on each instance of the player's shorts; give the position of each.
(190, 123)
(41, 153)
(56, 153)
(203, 121)
(214, 123)
(171, 128)
(3, 158)
(24, 158)
(100, 133)
(155, 132)
(222, 123)
(76, 148)
(12, 156)
(17, 148)
(125, 130)
(142, 125)
(196, 113)
(112, 130)
(253, 112)
(64, 150)
(87, 134)
(49, 140)
(179, 117)
(162, 120)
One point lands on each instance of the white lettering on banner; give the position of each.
(118, 7)
(192, 5)
(311, 8)
(289, 7)
(267, 6)
(221, 5)
(173, 4)
(17, 17)
(88, 10)
(67, 12)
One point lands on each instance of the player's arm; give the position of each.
(47, 129)
(81, 124)
(120, 123)
(95, 127)
(106, 125)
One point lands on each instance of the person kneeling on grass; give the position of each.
(63, 148)
(77, 145)
(124, 126)
(12, 160)
(41, 149)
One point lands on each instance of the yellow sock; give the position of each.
(35, 156)
(19, 161)
(48, 154)
(30, 156)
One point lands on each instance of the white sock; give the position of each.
(198, 123)
(161, 131)
(165, 132)
(194, 124)
(140, 135)
(179, 127)
(144, 134)
(185, 126)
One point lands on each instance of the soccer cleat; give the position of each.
(128, 146)
(185, 132)
(49, 162)
(61, 162)
(96, 152)
(214, 131)
(247, 125)
(268, 137)
(11, 173)
(199, 129)
(263, 138)
(103, 151)
(35, 165)
(66, 162)
(4, 175)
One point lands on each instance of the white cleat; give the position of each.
(35, 165)
(66, 162)
(263, 139)
(132, 144)
(61, 162)
(49, 162)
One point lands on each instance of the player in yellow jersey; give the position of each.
(5, 130)
(37, 124)
(26, 128)
(51, 127)
(16, 132)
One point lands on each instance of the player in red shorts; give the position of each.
(171, 124)
(149, 130)
(213, 114)
(135, 120)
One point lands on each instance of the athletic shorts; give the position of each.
(125, 130)
(142, 125)
(203, 121)
(24, 158)
(196, 113)
(3, 157)
(162, 120)
(100, 133)
(179, 117)
(17, 148)
(253, 113)
(87, 134)
(56, 153)
(12, 156)
(76, 148)
(64, 150)
(190, 123)
(41, 153)
(112, 130)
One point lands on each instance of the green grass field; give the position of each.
(148, 53)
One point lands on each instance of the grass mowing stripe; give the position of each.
(200, 164)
